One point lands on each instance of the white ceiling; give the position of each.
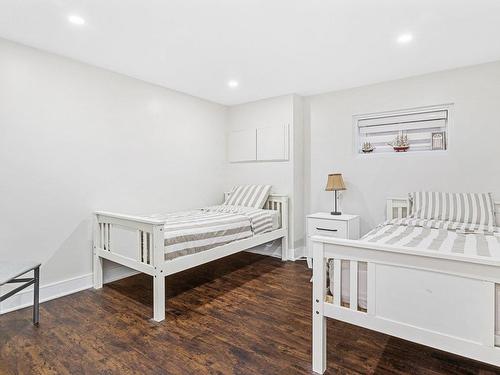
(272, 47)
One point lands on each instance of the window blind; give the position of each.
(425, 129)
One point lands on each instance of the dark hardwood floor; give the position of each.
(245, 314)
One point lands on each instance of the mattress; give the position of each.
(427, 237)
(434, 237)
(193, 231)
(261, 220)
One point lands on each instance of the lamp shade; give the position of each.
(335, 182)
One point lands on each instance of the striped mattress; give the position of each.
(438, 236)
(191, 232)
(435, 236)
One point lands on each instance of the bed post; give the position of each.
(159, 276)
(319, 320)
(97, 260)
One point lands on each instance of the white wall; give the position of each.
(470, 164)
(283, 175)
(74, 138)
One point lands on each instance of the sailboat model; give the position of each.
(400, 143)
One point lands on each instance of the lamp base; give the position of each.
(335, 213)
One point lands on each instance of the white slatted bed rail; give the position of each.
(140, 246)
(438, 300)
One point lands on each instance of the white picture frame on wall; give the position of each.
(259, 144)
(272, 143)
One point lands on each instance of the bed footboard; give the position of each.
(448, 304)
(134, 242)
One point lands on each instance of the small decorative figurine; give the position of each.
(367, 147)
(400, 143)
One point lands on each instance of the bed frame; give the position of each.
(138, 243)
(406, 290)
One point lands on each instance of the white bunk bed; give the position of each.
(442, 300)
(139, 243)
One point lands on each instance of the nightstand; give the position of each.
(326, 224)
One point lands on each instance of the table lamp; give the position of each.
(335, 183)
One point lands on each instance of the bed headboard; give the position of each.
(277, 202)
(400, 207)
(397, 208)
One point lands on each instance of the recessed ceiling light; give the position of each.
(405, 38)
(77, 20)
(232, 83)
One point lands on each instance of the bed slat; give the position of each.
(337, 287)
(139, 241)
(106, 236)
(370, 296)
(109, 237)
(101, 235)
(353, 287)
(145, 246)
(148, 248)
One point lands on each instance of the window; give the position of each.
(421, 129)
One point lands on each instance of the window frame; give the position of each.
(401, 112)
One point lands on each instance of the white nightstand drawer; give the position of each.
(323, 224)
(330, 228)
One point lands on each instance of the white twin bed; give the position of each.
(430, 274)
(163, 244)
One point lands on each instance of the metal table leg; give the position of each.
(36, 297)
(12, 277)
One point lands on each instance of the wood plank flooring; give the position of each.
(245, 314)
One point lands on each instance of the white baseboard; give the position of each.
(293, 254)
(62, 288)
(117, 272)
(47, 293)
(299, 252)
(274, 249)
